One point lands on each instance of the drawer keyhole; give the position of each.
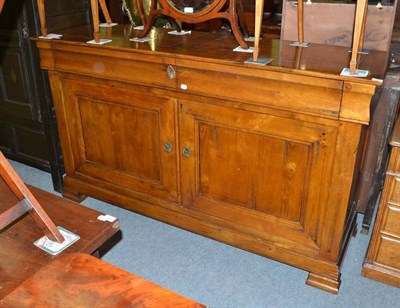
(171, 72)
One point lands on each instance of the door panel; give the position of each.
(117, 136)
(245, 154)
(257, 172)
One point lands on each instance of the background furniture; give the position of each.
(251, 156)
(321, 25)
(199, 11)
(94, 5)
(382, 262)
(386, 103)
(376, 153)
(20, 259)
(79, 280)
(28, 131)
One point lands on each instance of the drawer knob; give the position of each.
(171, 72)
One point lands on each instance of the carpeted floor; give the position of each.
(218, 275)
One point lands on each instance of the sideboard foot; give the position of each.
(73, 195)
(329, 284)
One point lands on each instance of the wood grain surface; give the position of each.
(19, 258)
(80, 280)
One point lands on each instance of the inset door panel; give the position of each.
(13, 87)
(242, 154)
(119, 136)
(106, 126)
(256, 175)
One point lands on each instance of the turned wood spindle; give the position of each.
(257, 29)
(360, 18)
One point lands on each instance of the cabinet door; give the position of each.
(259, 174)
(116, 136)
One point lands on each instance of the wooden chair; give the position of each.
(95, 15)
(358, 33)
(27, 203)
(230, 10)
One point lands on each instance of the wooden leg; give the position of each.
(233, 19)
(95, 15)
(329, 284)
(358, 24)
(96, 254)
(1, 5)
(362, 34)
(298, 53)
(140, 8)
(42, 17)
(300, 22)
(242, 20)
(104, 9)
(73, 195)
(150, 19)
(257, 28)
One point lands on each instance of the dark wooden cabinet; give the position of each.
(28, 131)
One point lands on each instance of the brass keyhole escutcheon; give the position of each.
(170, 72)
(186, 152)
(167, 147)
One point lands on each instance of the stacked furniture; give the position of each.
(382, 262)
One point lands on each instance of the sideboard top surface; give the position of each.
(326, 61)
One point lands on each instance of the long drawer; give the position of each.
(305, 94)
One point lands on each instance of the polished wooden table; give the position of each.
(20, 258)
(80, 280)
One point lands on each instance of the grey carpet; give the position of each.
(219, 275)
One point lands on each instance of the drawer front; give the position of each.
(395, 192)
(392, 220)
(394, 163)
(304, 94)
(389, 252)
(155, 71)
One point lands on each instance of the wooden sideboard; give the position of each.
(182, 130)
(382, 262)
